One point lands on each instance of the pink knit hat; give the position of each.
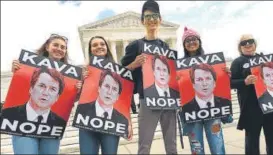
(189, 32)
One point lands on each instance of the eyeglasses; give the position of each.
(54, 35)
(245, 42)
(190, 39)
(155, 16)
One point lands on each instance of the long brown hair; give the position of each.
(108, 55)
(43, 52)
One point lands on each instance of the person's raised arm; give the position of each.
(15, 65)
(132, 58)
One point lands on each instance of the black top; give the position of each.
(19, 113)
(265, 99)
(249, 105)
(89, 109)
(152, 92)
(131, 52)
(193, 106)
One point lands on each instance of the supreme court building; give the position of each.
(120, 30)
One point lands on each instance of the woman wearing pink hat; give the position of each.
(193, 47)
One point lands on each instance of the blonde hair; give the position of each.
(245, 37)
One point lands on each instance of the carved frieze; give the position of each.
(125, 20)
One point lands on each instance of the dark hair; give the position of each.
(52, 72)
(150, 5)
(115, 76)
(199, 51)
(267, 64)
(204, 67)
(108, 55)
(43, 52)
(162, 59)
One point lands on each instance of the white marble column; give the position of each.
(86, 53)
(113, 49)
(173, 43)
(125, 44)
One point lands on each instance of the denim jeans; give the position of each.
(214, 134)
(90, 142)
(29, 145)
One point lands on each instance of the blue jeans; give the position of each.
(214, 134)
(90, 142)
(29, 145)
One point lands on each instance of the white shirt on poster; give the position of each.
(100, 111)
(203, 104)
(270, 92)
(161, 91)
(33, 116)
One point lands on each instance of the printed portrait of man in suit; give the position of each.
(267, 76)
(109, 90)
(203, 78)
(161, 71)
(45, 88)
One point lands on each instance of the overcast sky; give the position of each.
(28, 24)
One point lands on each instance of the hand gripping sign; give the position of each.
(40, 97)
(262, 67)
(204, 87)
(104, 104)
(159, 77)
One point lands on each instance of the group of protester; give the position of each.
(251, 117)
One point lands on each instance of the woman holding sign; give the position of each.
(193, 47)
(55, 48)
(251, 118)
(91, 141)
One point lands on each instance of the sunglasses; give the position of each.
(191, 39)
(54, 35)
(245, 42)
(155, 16)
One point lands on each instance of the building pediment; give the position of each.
(125, 20)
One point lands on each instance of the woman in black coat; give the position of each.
(251, 118)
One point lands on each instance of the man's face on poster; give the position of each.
(161, 73)
(109, 90)
(45, 91)
(204, 83)
(268, 77)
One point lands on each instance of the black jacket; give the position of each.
(152, 92)
(193, 105)
(131, 52)
(265, 99)
(19, 113)
(89, 109)
(247, 98)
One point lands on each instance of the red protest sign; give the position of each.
(104, 105)
(40, 97)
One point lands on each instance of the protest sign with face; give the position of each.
(159, 77)
(262, 67)
(40, 97)
(204, 87)
(104, 104)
